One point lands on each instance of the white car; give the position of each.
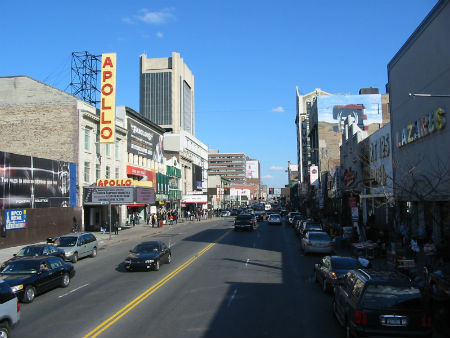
(317, 242)
(274, 219)
(225, 213)
(9, 309)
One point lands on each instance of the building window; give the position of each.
(117, 147)
(117, 172)
(108, 149)
(87, 139)
(97, 172)
(87, 169)
(108, 171)
(97, 143)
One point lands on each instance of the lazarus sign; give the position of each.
(108, 98)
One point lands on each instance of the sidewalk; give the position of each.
(105, 239)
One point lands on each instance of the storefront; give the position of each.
(193, 203)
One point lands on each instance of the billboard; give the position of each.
(144, 142)
(108, 98)
(251, 169)
(197, 181)
(314, 175)
(380, 155)
(32, 182)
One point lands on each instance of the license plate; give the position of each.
(390, 320)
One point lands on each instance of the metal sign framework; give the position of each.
(85, 68)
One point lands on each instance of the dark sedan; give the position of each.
(29, 277)
(148, 255)
(332, 269)
(36, 250)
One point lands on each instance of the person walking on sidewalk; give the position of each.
(116, 228)
(153, 220)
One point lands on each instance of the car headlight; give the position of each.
(69, 253)
(149, 261)
(17, 288)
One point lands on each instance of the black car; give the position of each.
(148, 255)
(381, 303)
(244, 221)
(260, 215)
(29, 277)
(330, 271)
(36, 250)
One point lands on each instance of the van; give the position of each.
(77, 245)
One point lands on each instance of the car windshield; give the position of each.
(313, 226)
(319, 236)
(66, 241)
(344, 264)
(145, 248)
(21, 267)
(30, 251)
(390, 296)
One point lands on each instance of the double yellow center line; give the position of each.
(143, 296)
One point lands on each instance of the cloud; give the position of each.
(157, 17)
(278, 109)
(267, 177)
(159, 35)
(278, 168)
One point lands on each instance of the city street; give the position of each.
(221, 283)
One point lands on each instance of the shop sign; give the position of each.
(314, 175)
(194, 199)
(114, 195)
(424, 126)
(15, 219)
(108, 98)
(161, 197)
(145, 195)
(349, 177)
(115, 182)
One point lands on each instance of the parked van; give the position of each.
(77, 245)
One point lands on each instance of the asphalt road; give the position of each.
(221, 283)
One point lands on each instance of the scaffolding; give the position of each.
(85, 68)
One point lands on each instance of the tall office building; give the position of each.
(235, 167)
(167, 93)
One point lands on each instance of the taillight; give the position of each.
(426, 321)
(18, 306)
(308, 243)
(360, 317)
(251, 222)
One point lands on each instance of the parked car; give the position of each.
(317, 242)
(77, 245)
(297, 222)
(274, 219)
(330, 271)
(225, 213)
(148, 255)
(234, 212)
(244, 221)
(309, 226)
(29, 277)
(291, 216)
(381, 303)
(36, 250)
(9, 309)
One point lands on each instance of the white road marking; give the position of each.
(248, 259)
(232, 297)
(68, 293)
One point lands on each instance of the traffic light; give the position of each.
(270, 191)
(226, 191)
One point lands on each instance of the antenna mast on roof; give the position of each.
(83, 82)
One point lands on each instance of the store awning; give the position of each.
(136, 205)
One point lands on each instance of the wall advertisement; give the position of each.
(15, 219)
(118, 195)
(251, 169)
(314, 175)
(380, 155)
(32, 182)
(142, 141)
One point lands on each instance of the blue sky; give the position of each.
(247, 56)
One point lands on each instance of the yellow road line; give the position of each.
(135, 302)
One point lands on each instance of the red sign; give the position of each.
(117, 182)
(352, 202)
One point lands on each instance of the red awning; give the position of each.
(136, 205)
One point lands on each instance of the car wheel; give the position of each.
(169, 259)
(29, 294)
(157, 265)
(324, 285)
(75, 258)
(65, 280)
(94, 252)
(4, 330)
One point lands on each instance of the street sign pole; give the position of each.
(109, 211)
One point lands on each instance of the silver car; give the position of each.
(9, 309)
(318, 242)
(77, 245)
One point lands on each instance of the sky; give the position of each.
(247, 56)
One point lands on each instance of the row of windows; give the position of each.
(108, 146)
(108, 173)
(156, 97)
(187, 108)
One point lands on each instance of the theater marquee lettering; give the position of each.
(108, 98)
(424, 126)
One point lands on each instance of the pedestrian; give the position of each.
(148, 218)
(414, 247)
(116, 228)
(429, 249)
(175, 216)
(171, 219)
(153, 220)
(133, 220)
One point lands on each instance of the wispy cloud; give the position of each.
(278, 109)
(158, 17)
(277, 168)
(267, 177)
(160, 35)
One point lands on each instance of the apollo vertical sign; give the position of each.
(108, 98)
